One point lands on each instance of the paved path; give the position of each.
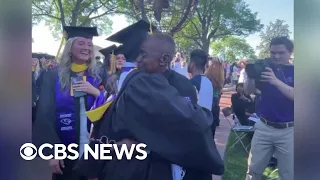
(222, 132)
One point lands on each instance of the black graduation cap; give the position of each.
(131, 38)
(107, 51)
(109, 57)
(35, 55)
(38, 55)
(76, 31)
(48, 56)
(119, 50)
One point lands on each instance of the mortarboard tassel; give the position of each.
(112, 64)
(150, 26)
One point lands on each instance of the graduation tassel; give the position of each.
(61, 43)
(150, 26)
(112, 69)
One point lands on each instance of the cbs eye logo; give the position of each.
(28, 151)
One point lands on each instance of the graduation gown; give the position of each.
(36, 83)
(151, 111)
(34, 97)
(58, 118)
(186, 89)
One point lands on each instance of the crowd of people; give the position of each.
(149, 81)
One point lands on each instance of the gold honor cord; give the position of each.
(150, 25)
(64, 35)
(112, 64)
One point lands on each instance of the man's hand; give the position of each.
(56, 166)
(269, 77)
(243, 97)
(282, 87)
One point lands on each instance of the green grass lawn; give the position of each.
(236, 160)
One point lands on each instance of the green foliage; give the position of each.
(215, 19)
(99, 13)
(236, 161)
(274, 29)
(57, 13)
(234, 48)
(172, 20)
(171, 17)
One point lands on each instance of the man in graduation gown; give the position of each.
(150, 110)
(61, 115)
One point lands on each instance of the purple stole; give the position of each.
(65, 112)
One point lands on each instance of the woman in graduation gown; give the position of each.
(36, 80)
(63, 102)
(120, 59)
(150, 110)
(110, 71)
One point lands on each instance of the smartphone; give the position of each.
(74, 80)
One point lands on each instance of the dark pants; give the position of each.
(214, 127)
(244, 121)
(234, 82)
(218, 120)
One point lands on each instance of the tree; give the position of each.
(234, 48)
(168, 15)
(216, 19)
(274, 29)
(57, 13)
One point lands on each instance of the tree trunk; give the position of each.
(75, 13)
(205, 46)
(142, 10)
(62, 19)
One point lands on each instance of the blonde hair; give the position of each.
(65, 61)
(37, 70)
(183, 62)
(215, 72)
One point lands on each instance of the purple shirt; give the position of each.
(273, 105)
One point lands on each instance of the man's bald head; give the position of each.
(156, 52)
(163, 42)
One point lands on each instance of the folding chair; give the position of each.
(243, 131)
(240, 131)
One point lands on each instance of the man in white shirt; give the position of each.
(235, 74)
(196, 67)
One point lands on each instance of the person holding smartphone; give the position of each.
(67, 92)
(274, 133)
